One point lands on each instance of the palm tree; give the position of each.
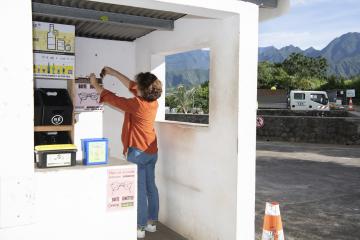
(184, 98)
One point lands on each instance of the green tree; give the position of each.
(201, 97)
(170, 101)
(270, 74)
(305, 67)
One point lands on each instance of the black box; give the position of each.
(38, 108)
(57, 107)
(55, 156)
(48, 138)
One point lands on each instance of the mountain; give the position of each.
(342, 54)
(312, 52)
(188, 68)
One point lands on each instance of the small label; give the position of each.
(57, 160)
(57, 120)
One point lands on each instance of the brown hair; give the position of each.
(149, 85)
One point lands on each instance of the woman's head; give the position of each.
(149, 86)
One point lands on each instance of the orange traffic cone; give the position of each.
(272, 229)
(351, 107)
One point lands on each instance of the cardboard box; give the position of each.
(51, 37)
(54, 66)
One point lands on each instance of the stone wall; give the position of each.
(191, 118)
(311, 129)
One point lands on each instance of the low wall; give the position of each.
(287, 112)
(191, 118)
(311, 129)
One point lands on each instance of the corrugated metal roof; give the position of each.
(104, 29)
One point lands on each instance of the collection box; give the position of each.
(53, 137)
(57, 106)
(54, 66)
(52, 37)
(56, 155)
(37, 108)
(95, 151)
(86, 97)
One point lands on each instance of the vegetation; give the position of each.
(187, 99)
(302, 72)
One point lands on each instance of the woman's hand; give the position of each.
(95, 84)
(112, 72)
(107, 71)
(93, 80)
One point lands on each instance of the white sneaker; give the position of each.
(140, 233)
(150, 228)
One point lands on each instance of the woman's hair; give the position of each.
(149, 85)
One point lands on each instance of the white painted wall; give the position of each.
(16, 97)
(197, 169)
(71, 204)
(91, 56)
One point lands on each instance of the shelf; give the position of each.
(53, 128)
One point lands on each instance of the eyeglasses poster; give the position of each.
(86, 97)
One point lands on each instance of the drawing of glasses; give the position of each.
(116, 186)
(83, 96)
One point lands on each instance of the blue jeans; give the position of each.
(148, 196)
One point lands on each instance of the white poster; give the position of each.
(54, 66)
(86, 97)
(121, 187)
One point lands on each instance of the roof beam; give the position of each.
(264, 3)
(41, 9)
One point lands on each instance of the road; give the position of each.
(318, 187)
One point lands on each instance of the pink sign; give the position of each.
(121, 187)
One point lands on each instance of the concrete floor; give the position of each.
(163, 233)
(318, 187)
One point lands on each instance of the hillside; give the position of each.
(342, 54)
(188, 68)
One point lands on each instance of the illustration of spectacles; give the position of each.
(83, 96)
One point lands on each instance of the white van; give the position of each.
(309, 100)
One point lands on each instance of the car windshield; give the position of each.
(319, 98)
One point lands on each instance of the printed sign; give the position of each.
(57, 160)
(350, 93)
(97, 152)
(53, 37)
(86, 97)
(54, 66)
(121, 188)
(259, 122)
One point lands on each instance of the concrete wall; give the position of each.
(91, 56)
(197, 169)
(310, 129)
(190, 118)
(206, 175)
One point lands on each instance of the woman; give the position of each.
(138, 137)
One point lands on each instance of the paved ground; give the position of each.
(318, 187)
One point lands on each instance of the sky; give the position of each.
(311, 23)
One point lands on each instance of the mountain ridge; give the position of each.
(342, 54)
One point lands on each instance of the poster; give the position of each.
(86, 97)
(52, 37)
(121, 188)
(54, 66)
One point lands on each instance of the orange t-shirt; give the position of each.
(138, 128)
